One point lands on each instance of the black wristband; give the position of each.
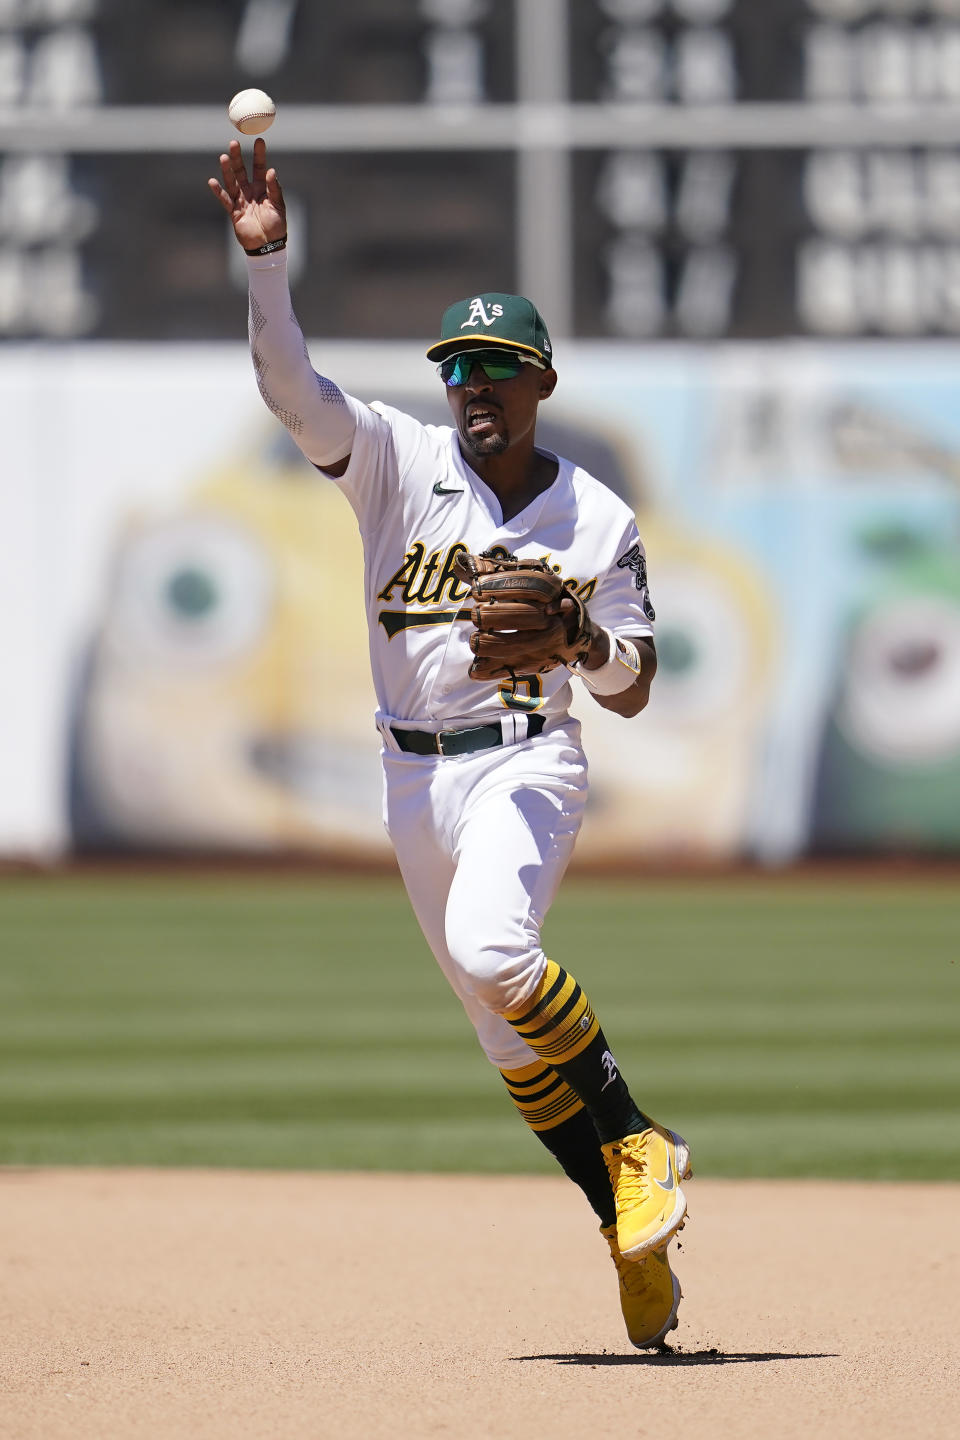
(269, 248)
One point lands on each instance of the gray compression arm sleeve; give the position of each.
(315, 410)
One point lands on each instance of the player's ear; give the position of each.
(548, 383)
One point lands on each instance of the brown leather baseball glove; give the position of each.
(526, 621)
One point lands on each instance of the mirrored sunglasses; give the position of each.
(495, 364)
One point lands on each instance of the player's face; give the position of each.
(491, 414)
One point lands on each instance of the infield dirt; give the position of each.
(156, 1305)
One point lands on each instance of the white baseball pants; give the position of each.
(482, 841)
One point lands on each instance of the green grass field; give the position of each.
(784, 1026)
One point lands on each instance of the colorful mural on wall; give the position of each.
(801, 510)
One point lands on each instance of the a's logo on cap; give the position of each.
(478, 313)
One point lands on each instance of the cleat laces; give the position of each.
(631, 1182)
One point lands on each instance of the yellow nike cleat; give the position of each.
(645, 1172)
(649, 1293)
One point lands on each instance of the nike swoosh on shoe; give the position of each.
(670, 1183)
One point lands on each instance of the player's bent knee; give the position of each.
(501, 979)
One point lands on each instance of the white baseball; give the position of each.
(251, 111)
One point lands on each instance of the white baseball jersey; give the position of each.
(419, 505)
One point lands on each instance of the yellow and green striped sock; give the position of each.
(557, 1023)
(562, 1124)
(559, 1026)
(542, 1097)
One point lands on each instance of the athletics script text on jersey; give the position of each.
(425, 579)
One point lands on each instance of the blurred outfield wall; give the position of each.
(183, 640)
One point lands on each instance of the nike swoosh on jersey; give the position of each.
(438, 489)
(670, 1183)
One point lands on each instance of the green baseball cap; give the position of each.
(489, 320)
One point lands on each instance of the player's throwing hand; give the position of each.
(255, 206)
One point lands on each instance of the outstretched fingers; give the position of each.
(217, 189)
(236, 159)
(240, 195)
(259, 160)
(233, 186)
(274, 193)
(228, 176)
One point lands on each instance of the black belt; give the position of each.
(458, 742)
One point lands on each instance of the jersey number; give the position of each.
(524, 693)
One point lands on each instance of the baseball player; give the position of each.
(498, 578)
